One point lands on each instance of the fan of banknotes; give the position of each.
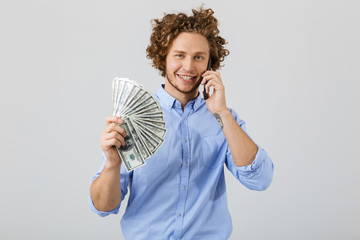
(143, 122)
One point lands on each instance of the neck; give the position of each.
(182, 97)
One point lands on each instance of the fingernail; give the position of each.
(120, 121)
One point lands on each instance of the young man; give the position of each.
(180, 193)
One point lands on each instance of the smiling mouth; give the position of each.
(187, 78)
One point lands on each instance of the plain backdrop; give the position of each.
(292, 75)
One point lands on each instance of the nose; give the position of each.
(188, 64)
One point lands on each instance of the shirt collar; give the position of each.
(170, 101)
(165, 97)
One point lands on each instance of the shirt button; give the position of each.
(179, 215)
(186, 164)
(185, 140)
(184, 188)
(184, 118)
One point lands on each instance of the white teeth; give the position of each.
(185, 77)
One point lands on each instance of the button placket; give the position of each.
(184, 176)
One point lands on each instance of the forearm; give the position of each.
(105, 191)
(242, 148)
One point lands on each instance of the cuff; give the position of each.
(259, 159)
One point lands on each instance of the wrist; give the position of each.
(113, 160)
(223, 112)
(222, 116)
(112, 165)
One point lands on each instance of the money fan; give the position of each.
(143, 122)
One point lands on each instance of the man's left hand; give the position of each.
(216, 102)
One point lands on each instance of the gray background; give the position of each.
(292, 75)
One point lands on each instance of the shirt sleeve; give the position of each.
(257, 175)
(124, 182)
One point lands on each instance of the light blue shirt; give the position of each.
(180, 193)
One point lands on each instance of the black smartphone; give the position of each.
(206, 96)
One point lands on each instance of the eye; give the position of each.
(179, 55)
(198, 57)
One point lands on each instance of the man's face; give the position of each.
(186, 61)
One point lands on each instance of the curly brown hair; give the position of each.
(165, 30)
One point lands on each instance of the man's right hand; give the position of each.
(111, 138)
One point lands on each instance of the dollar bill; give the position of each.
(153, 120)
(144, 151)
(143, 122)
(120, 87)
(139, 96)
(150, 114)
(155, 131)
(153, 141)
(144, 101)
(125, 97)
(131, 100)
(130, 153)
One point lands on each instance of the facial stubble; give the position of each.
(194, 89)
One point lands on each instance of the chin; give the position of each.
(184, 86)
(189, 88)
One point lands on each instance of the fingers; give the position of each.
(110, 139)
(113, 135)
(113, 119)
(211, 75)
(106, 144)
(115, 127)
(212, 80)
(208, 85)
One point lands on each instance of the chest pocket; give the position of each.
(214, 150)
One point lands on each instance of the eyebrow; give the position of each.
(197, 53)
